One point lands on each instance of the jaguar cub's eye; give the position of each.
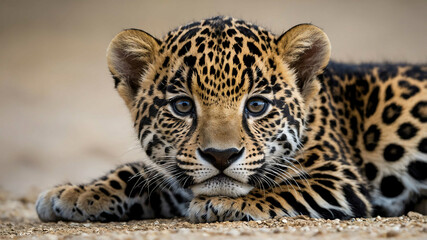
(256, 106)
(182, 106)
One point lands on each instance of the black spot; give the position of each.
(104, 191)
(248, 60)
(247, 32)
(253, 49)
(422, 146)
(310, 161)
(393, 152)
(418, 170)
(391, 113)
(388, 93)
(125, 175)
(407, 131)
(96, 197)
(189, 34)
(408, 90)
(166, 62)
(114, 184)
(420, 111)
(371, 171)
(372, 102)
(231, 32)
(184, 49)
(391, 186)
(190, 61)
(201, 48)
(272, 214)
(199, 40)
(371, 137)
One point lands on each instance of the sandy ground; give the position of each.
(18, 220)
(61, 120)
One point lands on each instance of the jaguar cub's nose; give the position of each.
(221, 158)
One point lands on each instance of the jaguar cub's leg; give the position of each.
(123, 194)
(326, 193)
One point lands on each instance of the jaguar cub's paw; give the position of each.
(51, 205)
(213, 209)
(77, 203)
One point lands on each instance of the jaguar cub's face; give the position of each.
(219, 105)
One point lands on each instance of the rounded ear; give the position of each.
(129, 55)
(306, 49)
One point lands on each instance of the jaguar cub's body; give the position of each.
(240, 124)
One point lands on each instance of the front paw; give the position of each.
(213, 209)
(59, 204)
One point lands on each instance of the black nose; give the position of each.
(221, 158)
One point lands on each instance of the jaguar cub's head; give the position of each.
(219, 105)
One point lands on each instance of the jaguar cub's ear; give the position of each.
(129, 56)
(306, 49)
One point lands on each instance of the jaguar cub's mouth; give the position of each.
(221, 185)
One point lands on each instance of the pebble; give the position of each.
(414, 215)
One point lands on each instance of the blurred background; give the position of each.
(60, 117)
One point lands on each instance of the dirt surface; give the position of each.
(19, 220)
(61, 119)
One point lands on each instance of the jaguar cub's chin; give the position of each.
(221, 185)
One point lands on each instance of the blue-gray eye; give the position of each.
(182, 106)
(256, 106)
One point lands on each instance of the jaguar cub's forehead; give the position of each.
(219, 59)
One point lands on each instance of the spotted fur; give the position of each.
(331, 141)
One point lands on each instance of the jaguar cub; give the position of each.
(240, 124)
